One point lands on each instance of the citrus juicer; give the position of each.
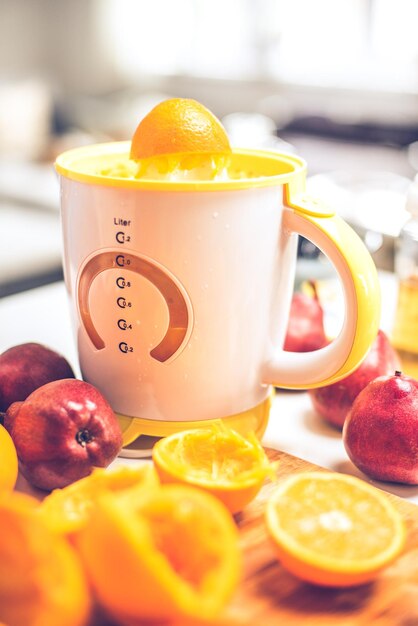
(180, 289)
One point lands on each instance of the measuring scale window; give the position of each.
(178, 310)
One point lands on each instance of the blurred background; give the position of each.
(335, 82)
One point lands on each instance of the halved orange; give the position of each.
(217, 459)
(67, 510)
(160, 554)
(42, 582)
(179, 126)
(8, 461)
(332, 529)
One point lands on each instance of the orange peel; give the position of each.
(66, 511)
(160, 554)
(42, 582)
(217, 459)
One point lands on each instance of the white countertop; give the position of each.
(42, 315)
(30, 228)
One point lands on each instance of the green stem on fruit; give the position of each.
(83, 437)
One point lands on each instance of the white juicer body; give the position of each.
(211, 269)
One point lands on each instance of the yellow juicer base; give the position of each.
(139, 435)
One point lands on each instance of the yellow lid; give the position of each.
(108, 164)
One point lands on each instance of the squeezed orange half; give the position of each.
(160, 554)
(67, 510)
(42, 582)
(217, 459)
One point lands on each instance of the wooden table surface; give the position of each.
(268, 595)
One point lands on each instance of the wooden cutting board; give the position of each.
(268, 595)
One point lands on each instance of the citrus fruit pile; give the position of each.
(119, 538)
(145, 549)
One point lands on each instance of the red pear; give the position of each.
(381, 431)
(62, 431)
(26, 367)
(334, 401)
(305, 331)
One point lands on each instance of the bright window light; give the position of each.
(321, 41)
(367, 44)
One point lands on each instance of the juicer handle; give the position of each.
(358, 276)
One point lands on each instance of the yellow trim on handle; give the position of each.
(364, 278)
(305, 204)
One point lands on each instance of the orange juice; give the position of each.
(405, 330)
